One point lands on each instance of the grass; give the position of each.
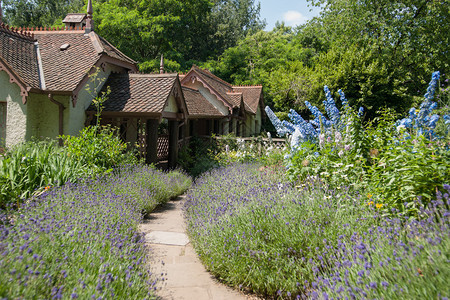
(82, 240)
(255, 232)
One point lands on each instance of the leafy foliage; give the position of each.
(33, 165)
(395, 161)
(38, 13)
(98, 148)
(38, 165)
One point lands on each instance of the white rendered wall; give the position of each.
(16, 111)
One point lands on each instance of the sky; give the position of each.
(292, 12)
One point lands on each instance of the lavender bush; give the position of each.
(255, 232)
(81, 240)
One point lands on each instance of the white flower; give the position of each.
(341, 153)
(337, 137)
(321, 139)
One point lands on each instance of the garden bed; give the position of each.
(254, 231)
(82, 240)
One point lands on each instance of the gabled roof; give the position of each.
(65, 69)
(197, 105)
(217, 86)
(231, 95)
(138, 93)
(236, 98)
(17, 50)
(57, 60)
(252, 96)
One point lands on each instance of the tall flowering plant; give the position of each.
(318, 129)
(396, 166)
(421, 120)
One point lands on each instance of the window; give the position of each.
(2, 123)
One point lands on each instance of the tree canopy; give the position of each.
(380, 53)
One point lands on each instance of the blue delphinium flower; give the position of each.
(305, 127)
(344, 100)
(318, 116)
(422, 121)
(330, 107)
(288, 126)
(281, 130)
(361, 112)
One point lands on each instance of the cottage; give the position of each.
(47, 88)
(216, 106)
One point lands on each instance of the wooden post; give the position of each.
(151, 141)
(173, 143)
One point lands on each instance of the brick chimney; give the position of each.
(89, 21)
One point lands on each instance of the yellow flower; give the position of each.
(379, 205)
(370, 203)
(369, 196)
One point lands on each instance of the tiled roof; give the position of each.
(112, 51)
(64, 69)
(138, 93)
(220, 86)
(197, 105)
(251, 94)
(19, 52)
(235, 99)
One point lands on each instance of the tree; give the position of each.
(28, 13)
(275, 59)
(408, 37)
(233, 20)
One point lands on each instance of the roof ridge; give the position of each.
(151, 75)
(246, 86)
(120, 53)
(212, 76)
(18, 32)
(54, 28)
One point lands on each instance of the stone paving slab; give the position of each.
(167, 238)
(173, 258)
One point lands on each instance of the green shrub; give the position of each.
(231, 149)
(195, 157)
(33, 165)
(98, 147)
(30, 167)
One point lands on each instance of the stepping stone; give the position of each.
(167, 238)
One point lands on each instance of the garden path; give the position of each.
(172, 255)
